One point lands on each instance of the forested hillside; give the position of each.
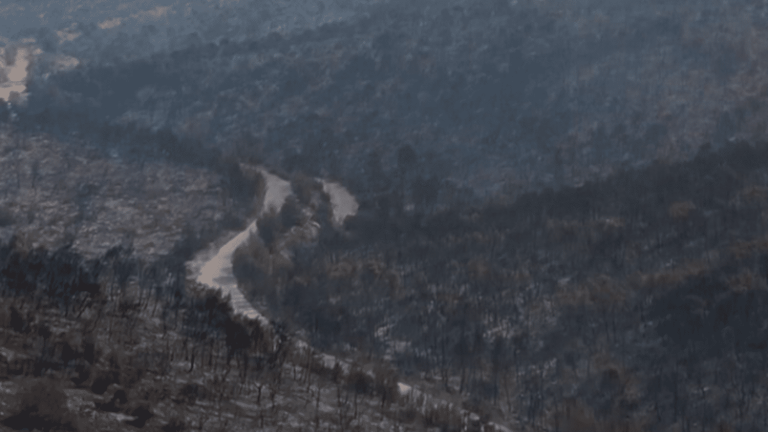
(561, 224)
(634, 302)
(493, 95)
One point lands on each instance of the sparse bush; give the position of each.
(118, 400)
(154, 393)
(90, 354)
(18, 323)
(188, 393)
(291, 213)
(386, 384)
(142, 414)
(81, 373)
(9, 55)
(270, 227)
(681, 210)
(230, 221)
(6, 217)
(123, 369)
(130, 374)
(337, 372)
(42, 405)
(358, 381)
(4, 367)
(175, 425)
(479, 407)
(102, 381)
(304, 187)
(407, 415)
(443, 417)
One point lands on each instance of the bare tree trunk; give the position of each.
(192, 362)
(317, 408)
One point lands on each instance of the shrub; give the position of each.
(188, 394)
(4, 367)
(407, 415)
(442, 417)
(6, 217)
(102, 381)
(359, 382)
(385, 383)
(142, 414)
(42, 405)
(336, 373)
(175, 425)
(81, 373)
(18, 323)
(291, 213)
(90, 353)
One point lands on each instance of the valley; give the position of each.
(331, 215)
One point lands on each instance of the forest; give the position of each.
(561, 223)
(634, 301)
(631, 303)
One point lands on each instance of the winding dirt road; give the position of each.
(213, 267)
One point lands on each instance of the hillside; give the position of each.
(491, 95)
(560, 216)
(633, 303)
(618, 305)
